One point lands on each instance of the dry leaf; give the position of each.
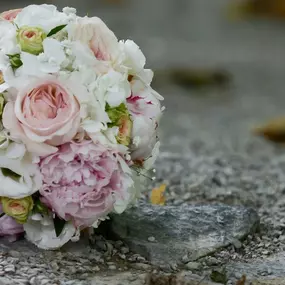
(199, 78)
(267, 8)
(274, 130)
(241, 281)
(194, 78)
(157, 196)
(120, 2)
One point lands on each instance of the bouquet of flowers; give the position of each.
(79, 123)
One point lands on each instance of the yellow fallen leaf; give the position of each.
(157, 196)
(238, 11)
(274, 130)
(264, 8)
(241, 281)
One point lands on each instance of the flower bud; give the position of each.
(120, 117)
(125, 128)
(31, 39)
(18, 209)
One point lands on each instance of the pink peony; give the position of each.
(8, 226)
(11, 14)
(44, 113)
(82, 181)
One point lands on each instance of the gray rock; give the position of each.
(271, 267)
(193, 230)
(193, 265)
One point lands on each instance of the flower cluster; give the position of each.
(79, 122)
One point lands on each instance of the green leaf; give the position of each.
(58, 225)
(9, 173)
(116, 113)
(39, 207)
(15, 60)
(56, 30)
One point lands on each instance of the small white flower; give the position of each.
(32, 66)
(112, 88)
(15, 159)
(69, 10)
(133, 59)
(8, 43)
(41, 232)
(53, 50)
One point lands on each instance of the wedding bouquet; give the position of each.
(79, 123)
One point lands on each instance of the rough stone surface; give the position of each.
(271, 266)
(179, 230)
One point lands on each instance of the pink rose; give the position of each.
(45, 113)
(94, 32)
(11, 14)
(8, 226)
(82, 181)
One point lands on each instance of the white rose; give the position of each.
(41, 232)
(43, 16)
(94, 33)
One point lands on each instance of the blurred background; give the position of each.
(219, 63)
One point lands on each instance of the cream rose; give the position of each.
(47, 114)
(94, 33)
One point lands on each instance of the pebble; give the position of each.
(141, 266)
(185, 258)
(125, 250)
(213, 261)
(237, 244)
(122, 256)
(112, 267)
(54, 266)
(96, 268)
(10, 269)
(151, 239)
(14, 253)
(193, 265)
